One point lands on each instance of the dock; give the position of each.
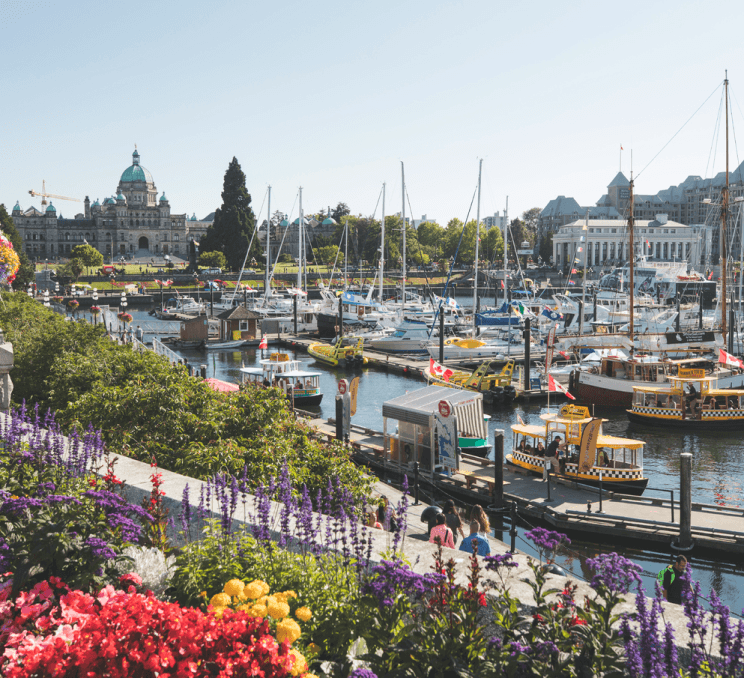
(649, 521)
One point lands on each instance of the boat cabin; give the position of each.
(410, 429)
(280, 371)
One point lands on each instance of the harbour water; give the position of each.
(718, 475)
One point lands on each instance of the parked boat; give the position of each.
(282, 372)
(691, 400)
(221, 345)
(495, 386)
(342, 352)
(618, 460)
(410, 337)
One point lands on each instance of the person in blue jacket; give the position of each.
(484, 549)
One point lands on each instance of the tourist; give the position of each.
(140, 333)
(483, 548)
(429, 516)
(372, 521)
(540, 450)
(452, 517)
(442, 532)
(672, 580)
(386, 515)
(551, 455)
(478, 514)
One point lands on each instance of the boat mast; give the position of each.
(346, 253)
(506, 242)
(477, 242)
(382, 245)
(583, 286)
(268, 246)
(299, 233)
(724, 214)
(403, 214)
(632, 253)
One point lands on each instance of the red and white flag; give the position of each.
(565, 355)
(264, 343)
(437, 370)
(520, 420)
(502, 284)
(553, 385)
(728, 359)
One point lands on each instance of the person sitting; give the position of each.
(372, 520)
(441, 532)
(528, 450)
(540, 450)
(298, 384)
(482, 547)
(522, 445)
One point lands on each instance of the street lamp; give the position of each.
(46, 297)
(94, 297)
(30, 291)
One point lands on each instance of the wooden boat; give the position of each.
(709, 408)
(496, 387)
(342, 352)
(221, 345)
(283, 372)
(619, 460)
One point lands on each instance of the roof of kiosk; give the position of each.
(416, 407)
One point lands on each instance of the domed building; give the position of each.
(133, 223)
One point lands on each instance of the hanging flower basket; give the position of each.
(125, 317)
(57, 300)
(73, 304)
(9, 261)
(95, 310)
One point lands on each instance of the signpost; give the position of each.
(343, 390)
(446, 426)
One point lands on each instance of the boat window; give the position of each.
(398, 333)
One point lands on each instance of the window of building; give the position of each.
(175, 237)
(243, 325)
(614, 230)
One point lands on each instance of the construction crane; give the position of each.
(44, 195)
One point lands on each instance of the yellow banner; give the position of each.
(588, 447)
(353, 388)
(691, 373)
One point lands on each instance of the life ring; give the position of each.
(468, 318)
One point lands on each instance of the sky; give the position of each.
(333, 96)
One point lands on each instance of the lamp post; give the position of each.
(30, 291)
(94, 297)
(46, 298)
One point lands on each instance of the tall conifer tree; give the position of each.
(233, 222)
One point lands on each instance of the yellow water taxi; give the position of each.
(588, 451)
(496, 387)
(690, 400)
(342, 352)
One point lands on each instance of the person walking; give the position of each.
(442, 532)
(551, 455)
(140, 333)
(482, 547)
(453, 520)
(671, 580)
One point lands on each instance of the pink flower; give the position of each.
(66, 632)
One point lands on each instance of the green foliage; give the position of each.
(88, 255)
(25, 273)
(285, 258)
(213, 260)
(72, 269)
(145, 407)
(327, 255)
(546, 247)
(234, 221)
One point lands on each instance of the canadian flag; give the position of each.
(553, 385)
(502, 284)
(565, 355)
(438, 370)
(264, 343)
(728, 359)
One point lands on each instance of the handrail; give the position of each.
(161, 349)
(653, 489)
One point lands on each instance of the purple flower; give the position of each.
(493, 563)
(546, 540)
(362, 673)
(100, 548)
(392, 577)
(613, 572)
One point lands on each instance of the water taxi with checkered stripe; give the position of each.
(692, 400)
(589, 453)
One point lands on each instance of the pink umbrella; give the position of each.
(219, 385)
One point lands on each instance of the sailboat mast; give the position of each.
(346, 253)
(631, 244)
(506, 243)
(403, 215)
(382, 245)
(268, 246)
(477, 243)
(724, 215)
(299, 233)
(583, 244)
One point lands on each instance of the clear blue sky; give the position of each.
(333, 95)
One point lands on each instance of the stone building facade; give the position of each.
(134, 223)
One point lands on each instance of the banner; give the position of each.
(446, 432)
(353, 388)
(691, 337)
(549, 349)
(588, 447)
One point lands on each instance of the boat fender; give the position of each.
(405, 369)
(556, 569)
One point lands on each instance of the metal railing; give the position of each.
(161, 349)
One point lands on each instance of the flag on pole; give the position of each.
(553, 385)
(565, 355)
(727, 359)
(502, 284)
(437, 370)
(520, 420)
(264, 343)
(573, 270)
(621, 147)
(710, 275)
(571, 282)
(581, 249)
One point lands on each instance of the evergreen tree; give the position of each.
(234, 222)
(25, 273)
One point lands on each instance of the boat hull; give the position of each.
(635, 485)
(308, 400)
(603, 397)
(714, 421)
(222, 345)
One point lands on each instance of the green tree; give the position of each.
(430, 234)
(327, 255)
(340, 211)
(72, 269)
(234, 221)
(213, 260)
(546, 247)
(492, 245)
(25, 273)
(530, 219)
(87, 255)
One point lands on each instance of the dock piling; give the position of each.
(513, 528)
(416, 483)
(600, 493)
(441, 337)
(339, 417)
(685, 501)
(294, 311)
(498, 467)
(547, 480)
(203, 371)
(526, 354)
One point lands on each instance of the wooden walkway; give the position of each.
(645, 521)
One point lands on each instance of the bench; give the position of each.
(471, 478)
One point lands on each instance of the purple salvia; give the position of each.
(185, 513)
(722, 628)
(696, 624)
(670, 652)
(633, 664)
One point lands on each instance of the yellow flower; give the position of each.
(256, 589)
(313, 649)
(234, 587)
(288, 630)
(259, 610)
(285, 595)
(303, 614)
(278, 609)
(219, 611)
(220, 600)
(309, 675)
(244, 608)
(203, 594)
(299, 663)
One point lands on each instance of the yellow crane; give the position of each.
(44, 195)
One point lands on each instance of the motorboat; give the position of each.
(591, 457)
(495, 385)
(343, 352)
(409, 337)
(301, 386)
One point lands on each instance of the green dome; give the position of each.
(109, 201)
(96, 203)
(284, 223)
(120, 197)
(136, 172)
(17, 207)
(163, 198)
(51, 208)
(330, 221)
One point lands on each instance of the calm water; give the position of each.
(717, 459)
